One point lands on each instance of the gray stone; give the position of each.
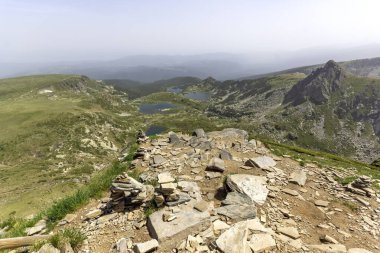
(182, 198)
(213, 174)
(146, 246)
(188, 221)
(292, 232)
(216, 164)
(290, 192)
(236, 198)
(165, 177)
(252, 186)
(48, 248)
(261, 162)
(298, 177)
(220, 225)
(202, 206)
(321, 203)
(237, 212)
(158, 159)
(121, 245)
(328, 239)
(225, 155)
(235, 239)
(199, 132)
(262, 242)
(173, 138)
(38, 228)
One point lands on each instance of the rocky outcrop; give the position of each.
(318, 86)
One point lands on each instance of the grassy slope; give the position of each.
(35, 128)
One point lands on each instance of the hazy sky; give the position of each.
(102, 29)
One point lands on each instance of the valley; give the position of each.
(64, 138)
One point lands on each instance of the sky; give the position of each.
(54, 30)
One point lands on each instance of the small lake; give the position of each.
(155, 108)
(198, 95)
(155, 129)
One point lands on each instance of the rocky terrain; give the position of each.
(220, 192)
(330, 109)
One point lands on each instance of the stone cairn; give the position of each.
(361, 186)
(126, 192)
(141, 137)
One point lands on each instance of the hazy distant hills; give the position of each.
(221, 66)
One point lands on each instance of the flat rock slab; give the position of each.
(298, 177)
(321, 203)
(237, 212)
(261, 243)
(146, 246)
(328, 248)
(262, 162)
(252, 186)
(165, 177)
(158, 159)
(236, 198)
(235, 239)
(290, 192)
(187, 222)
(292, 232)
(216, 164)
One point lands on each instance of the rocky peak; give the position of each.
(318, 86)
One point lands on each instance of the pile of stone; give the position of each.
(141, 137)
(361, 186)
(126, 191)
(168, 192)
(362, 182)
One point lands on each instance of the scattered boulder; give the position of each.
(216, 164)
(252, 186)
(292, 232)
(158, 160)
(225, 155)
(39, 227)
(298, 177)
(48, 248)
(261, 162)
(199, 132)
(321, 203)
(235, 239)
(93, 214)
(188, 221)
(146, 246)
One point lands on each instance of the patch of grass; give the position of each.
(150, 208)
(69, 204)
(345, 180)
(72, 236)
(351, 205)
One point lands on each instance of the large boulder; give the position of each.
(237, 240)
(261, 162)
(216, 164)
(298, 177)
(188, 221)
(252, 186)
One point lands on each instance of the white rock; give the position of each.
(220, 225)
(146, 246)
(252, 186)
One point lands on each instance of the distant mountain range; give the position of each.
(221, 66)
